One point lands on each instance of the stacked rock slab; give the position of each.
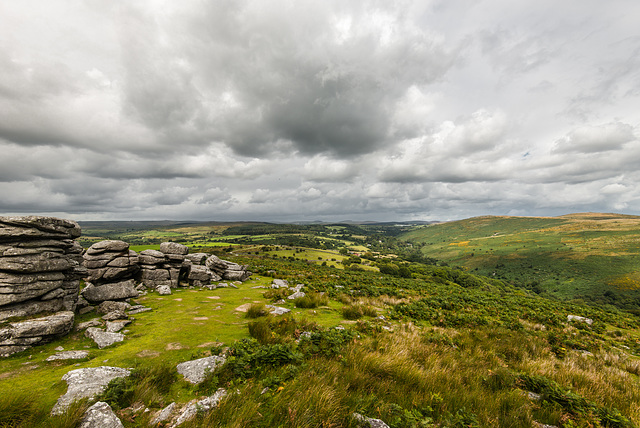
(166, 267)
(227, 270)
(111, 268)
(176, 262)
(39, 272)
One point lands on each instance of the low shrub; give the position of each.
(354, 312)
(257, 310)
(312, 300)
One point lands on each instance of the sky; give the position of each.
(326, 110)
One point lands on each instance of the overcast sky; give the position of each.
(318, 110)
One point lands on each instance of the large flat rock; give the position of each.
(114, 291)
(194, 371)
(87, 382)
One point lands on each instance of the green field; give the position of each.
(589, 256)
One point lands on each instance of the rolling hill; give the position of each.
(589, 256)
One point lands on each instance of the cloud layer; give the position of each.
(284, 111)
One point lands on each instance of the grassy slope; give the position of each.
(579, 255)
(455, 354)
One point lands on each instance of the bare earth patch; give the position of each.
(200, 318)
(174, 346)
(147, 353)
(243, 308)
(209, 344)
(178, 299)
(213, 297)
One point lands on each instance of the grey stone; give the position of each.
(200, 273)
(103, 338)
(279, 283)
(19, 287)
(163, 289)
(100, 415)
(31, 307)
(194, 371)
(52, 325)
(116, 326)
(139, 311)
(87, 382)
(204, 405)
(110, 306)
(579, 319)
(277, 310)
(108, 245)
(91, 323)
(370, 422)
(197, 258)
(296, 295)
(68, 355)
(115, 315)
(173, 248)
(163, 414)
(30, 227)
(112, 291)
(54, 294)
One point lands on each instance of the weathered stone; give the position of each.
(110, 274)
(279, 283)
(110, 306)
(53, 325)
(296, 295)
(108, 245)
(197, 258)
(115, 315)
(163, 414)
(277, 310)
(200, 273)
(194, 371)
(173, 248)
(19, 287)
(163, 289)
(112, 291)
(31, 307)
(103, 338)
(370, 422)
(151, 257)
(579, 319)
(91, 323)
(46, 261)
(154, 275)
(116, 326)
(54, 294)
(37, 227)
(68, 355)
(204, 405)
(100, 415)
(139, 311)
(87, 382)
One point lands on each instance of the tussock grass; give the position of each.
(257, 310)
(312, 300)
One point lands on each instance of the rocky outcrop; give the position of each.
(111, 268)
(40, 267)
(40, 272)
(165, 268)
(227, 270)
